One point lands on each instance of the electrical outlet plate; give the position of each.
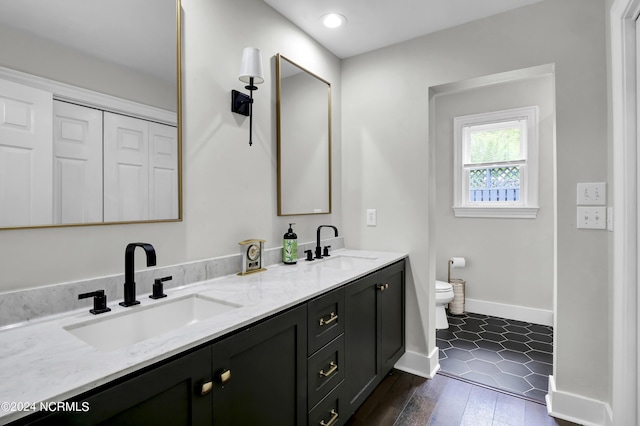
(592, 194)
(372, 217)
(592, 218)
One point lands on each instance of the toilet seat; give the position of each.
(443, 287)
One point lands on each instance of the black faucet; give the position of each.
(129, 283)
(318, 248)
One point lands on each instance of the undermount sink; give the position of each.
(141, 323)
(346, 262)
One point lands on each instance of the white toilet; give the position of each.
(444, 295)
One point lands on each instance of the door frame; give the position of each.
(624, 258)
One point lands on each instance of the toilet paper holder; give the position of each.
(455, 262)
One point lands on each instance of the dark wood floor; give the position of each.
(403, 399)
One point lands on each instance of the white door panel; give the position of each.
(25, 156)
(126, 168)
(77, 150)
(163, 172)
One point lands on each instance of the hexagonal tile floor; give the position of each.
(509, 355)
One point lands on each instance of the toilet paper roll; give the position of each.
(457, 262)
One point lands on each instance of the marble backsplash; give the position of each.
(27, 305)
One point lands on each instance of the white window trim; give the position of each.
(528, 207)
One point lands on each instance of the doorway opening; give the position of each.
(504, 338)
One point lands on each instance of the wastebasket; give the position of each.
(456, 306)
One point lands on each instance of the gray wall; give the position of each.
(43, 58)
(509, 261)
(391, 160)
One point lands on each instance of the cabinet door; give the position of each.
(374, 331)
(25, 156)
(260, 373)
(391, 313)
(361, 340)
(167, 395)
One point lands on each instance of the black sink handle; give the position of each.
(158, 288)
(99, 301)
(309, 254)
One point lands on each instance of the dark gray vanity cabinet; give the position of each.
(312, 364)
(260, 373)
(374, 331)
(256, 376)
(171, 393)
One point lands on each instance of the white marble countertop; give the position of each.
(43, 362)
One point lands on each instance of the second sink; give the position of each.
(346, 262)
(126, 328)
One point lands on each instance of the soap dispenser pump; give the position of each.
(290, 247)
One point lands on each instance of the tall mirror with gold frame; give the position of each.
(91, 94)
(304, 140)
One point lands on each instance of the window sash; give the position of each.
(521, 123)
(494, 165)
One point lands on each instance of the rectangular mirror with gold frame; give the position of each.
(304, 140)
(91, 94)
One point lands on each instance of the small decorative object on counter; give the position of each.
(290, 247)
(251, 252)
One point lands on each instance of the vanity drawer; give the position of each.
(325, 369)
(327, 412)
(326, 319)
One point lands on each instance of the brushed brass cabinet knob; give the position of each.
(205, 388)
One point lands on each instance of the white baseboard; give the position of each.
(576, 408)
(419, 364)
(514, 312)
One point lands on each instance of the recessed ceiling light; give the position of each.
(333, 20)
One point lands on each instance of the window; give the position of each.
(496, 164)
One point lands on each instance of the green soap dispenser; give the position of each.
(290, 247)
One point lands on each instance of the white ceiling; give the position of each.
(139, 34)
(372, 24)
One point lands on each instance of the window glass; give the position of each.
(494, 145)
(494, 184)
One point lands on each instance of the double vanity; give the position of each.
(295, 344)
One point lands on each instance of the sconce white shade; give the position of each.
(251, 65)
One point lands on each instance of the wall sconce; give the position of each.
(251, 73)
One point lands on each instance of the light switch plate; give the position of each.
(592, 218)
(592, 194)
